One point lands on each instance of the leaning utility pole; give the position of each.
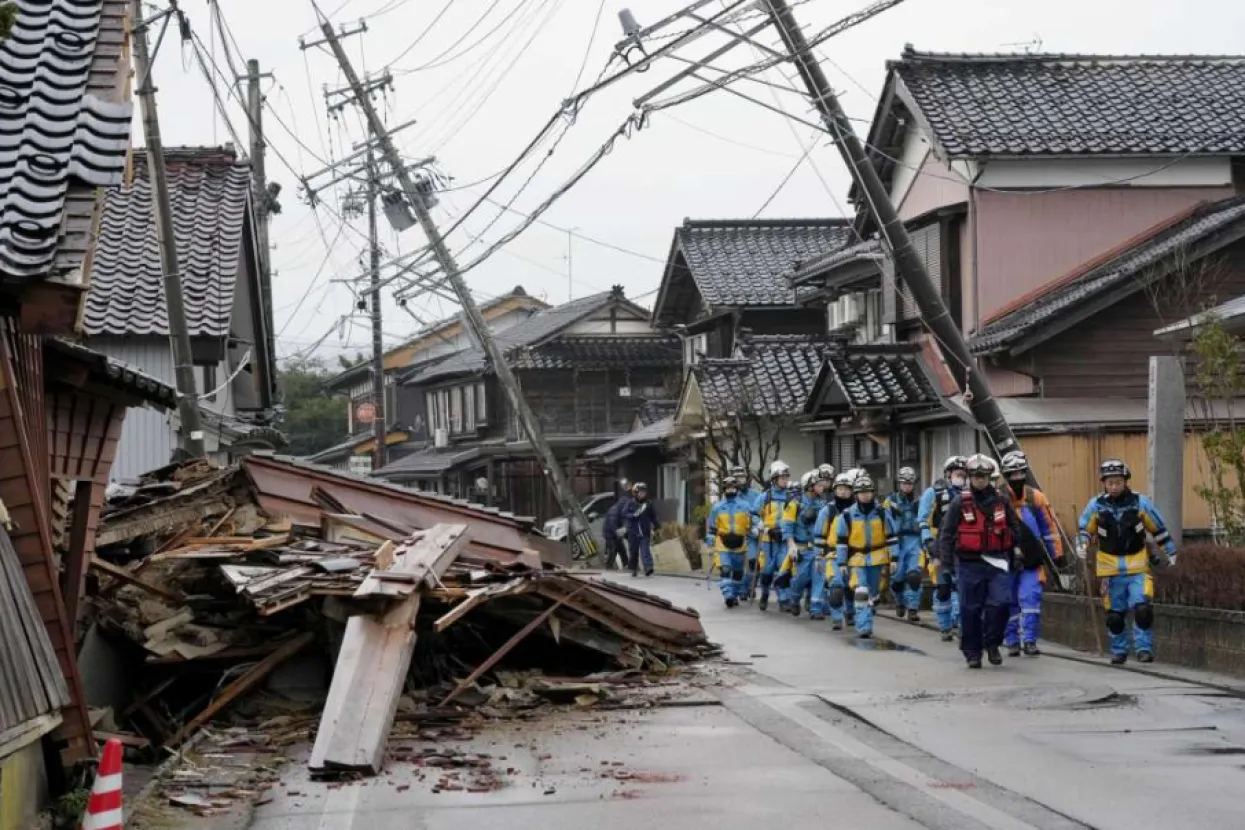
(908, 264)
(570, 506)
(179, 335)
(379, 426)
(263, 202)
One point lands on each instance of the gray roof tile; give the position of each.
(60, 138)
(770, 375)
(1030, 313)
(1016, 105)
(647, 435)
(879, 377)
(750, 262)
(115, 373)
(210, 193)
(602, 352)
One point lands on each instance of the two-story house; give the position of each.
(407, 421)
(226, 301)
(1067, 207)
(585, 367)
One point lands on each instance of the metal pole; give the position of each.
(179, 336)
(509, 383)
(908, 264)
(379, 429)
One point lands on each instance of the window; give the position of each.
(693, 347)
(361, 464)
(209, 382)
(456, 410)
(481, 405)
(469, 408)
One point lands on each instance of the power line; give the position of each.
(434, 63)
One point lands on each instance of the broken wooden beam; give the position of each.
(121, 574)
(418, 560)
(243, 684)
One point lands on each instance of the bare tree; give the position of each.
(749, 433)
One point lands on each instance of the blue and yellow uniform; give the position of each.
(775, 510)
(835, 586)
(865, 540)
(908, 568)
(750, 495)
(730, 528)
(799, 566)
(1120, 525)
(933, 505)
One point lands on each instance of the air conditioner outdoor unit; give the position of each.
(851, 311)
(441, 438)
(624, 391)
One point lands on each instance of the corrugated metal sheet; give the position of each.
(928, 244)
(31, 683)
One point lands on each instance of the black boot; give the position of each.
(763, 603)
(837, 625)
(1013, 651)
(1145, 657)
(913, 615)
(947, 636)
(974, 664)
(993, 655)
(1119, 659)
(1031, 650)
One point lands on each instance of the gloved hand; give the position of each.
(621, 533)
(1082, 548)
(843, 573)
(928, 546)
(775, 534)
(1171, 558)
(1018, 558)
(783, 580)
(894, 569)
(755, 532)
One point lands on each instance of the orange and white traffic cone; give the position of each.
(103, 811)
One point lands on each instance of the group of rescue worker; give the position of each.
(982, 534)
(628, 529)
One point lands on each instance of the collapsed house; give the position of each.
(207, 580)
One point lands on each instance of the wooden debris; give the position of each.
(119, 573)
(416, 560)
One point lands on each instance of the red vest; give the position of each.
(979, 533)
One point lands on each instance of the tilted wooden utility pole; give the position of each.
(179, 335)
(380, 427)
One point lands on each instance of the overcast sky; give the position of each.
(482, 80)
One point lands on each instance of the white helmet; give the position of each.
(1015, 462)
(739, 472)
(778, 469)
(862, 484)
(844, 478)
(981, 464)
(808, 479)
(826, 472)
(906, 475)
(954, 462)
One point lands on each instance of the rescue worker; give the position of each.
(614, 530)
(907, 569)
(1119, 520)
(796, 576)
(775, 528)
(749, 495)
(934, 502)
(1039, 542)
(730, 527)
(839, 500)
(864, 544)
(979, 537)
(641, 522)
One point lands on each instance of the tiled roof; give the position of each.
(813, 269)
(529, 332)
(770, 375)
(115, 373)
(602, 351)
(880, 377)
(210, 194)
(1230, 314)
(429, 462)
(750, 263)
(655, 410)
(60, 136)
(646, 435)
(1016, 105)
(1030, 313)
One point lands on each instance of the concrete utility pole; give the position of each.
(179, 336)
(567, 502)
(1165, 440)
(255, 113)
(908, 264)
(379, 426)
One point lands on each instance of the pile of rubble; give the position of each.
(207, 580)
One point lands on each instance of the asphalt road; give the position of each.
(820, 727)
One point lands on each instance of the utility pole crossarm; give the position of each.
(418, 200)
(179, 335)
(908, 264)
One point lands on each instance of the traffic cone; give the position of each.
(103, 811)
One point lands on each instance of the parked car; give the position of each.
(595, 508)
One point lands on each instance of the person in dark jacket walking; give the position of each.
(641, 522)
(979, 538)
(614, 529)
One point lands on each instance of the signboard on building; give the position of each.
(365, 413)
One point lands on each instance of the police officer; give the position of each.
(979, 537)
(908, 567)
(1039, 542)
(614, 529)
(864, 544)
(799, 570)
(730, 527)
(641, 522)
(1119, 520)
(930, 512)
(748, 495)
(771, 509)
(838, 500)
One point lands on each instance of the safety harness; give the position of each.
(979, 533)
